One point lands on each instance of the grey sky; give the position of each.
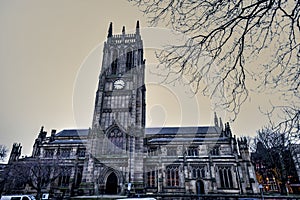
(46, 49)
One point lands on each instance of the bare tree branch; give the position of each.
(230, 45)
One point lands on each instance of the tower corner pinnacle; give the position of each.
(137, 28)
(110, 30)
(123, 30)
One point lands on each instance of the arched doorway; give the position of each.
(111, 184)
(200, 187)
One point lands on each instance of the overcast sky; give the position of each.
(50, 58)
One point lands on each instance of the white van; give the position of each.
(17, 197)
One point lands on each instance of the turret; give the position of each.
(52, 137)
(244, 148)
(216, 120)
(38, 141)
(227, 130)
(221, 124)
(234, 145)
(15, 153)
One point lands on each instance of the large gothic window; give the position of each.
(172, 173)
(225, 177)
(115, 141)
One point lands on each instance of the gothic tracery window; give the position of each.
(151, 175)
(225, 177)
(115, 141)
(198, 171)
(172, 173)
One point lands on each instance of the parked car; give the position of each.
(17, 197)
(45, 196)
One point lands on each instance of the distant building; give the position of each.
(273, 166)
(295, 183)
(118, 155)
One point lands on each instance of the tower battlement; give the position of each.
(123, 38)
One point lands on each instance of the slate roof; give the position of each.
(73, 133)
(186, 139)
(183, 130)
(150, 131)
(68, 142)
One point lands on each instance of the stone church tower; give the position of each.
(114, 162)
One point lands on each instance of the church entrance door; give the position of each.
(112, 184)
(200, 187)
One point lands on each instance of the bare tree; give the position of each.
(3, 152)
(14, 178)
(44, 172)
(35, 172)
(276, 151)
(231, 47)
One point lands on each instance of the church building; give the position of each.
(119, 155)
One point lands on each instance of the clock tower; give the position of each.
(115, 161)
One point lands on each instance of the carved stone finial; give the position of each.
(123, 30)
(216, 120)
(221, 124)
(137, 28)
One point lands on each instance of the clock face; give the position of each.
(119, 84)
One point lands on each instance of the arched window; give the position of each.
(225, 176)
(215, 151)
(129, 60)
(151, 175)
(172, 173)
(115, 143)
(198, 171)
(114, 62)
(192, 151)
